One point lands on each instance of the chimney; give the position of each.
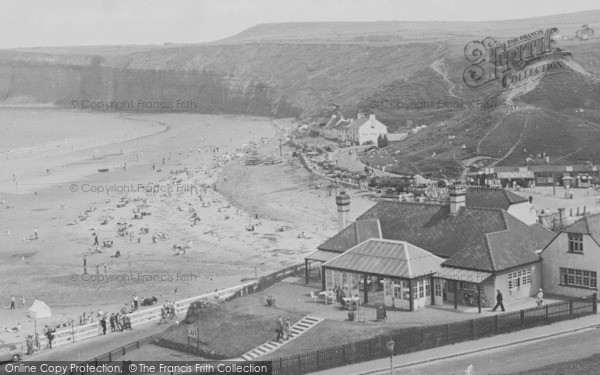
(360, 115)
(343, 208)
(457, 198)
(372, 116)
(561, 215)
(333, 116)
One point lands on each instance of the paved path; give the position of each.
(352, 163)
(408, 363)
(516, 358)
(89, 349)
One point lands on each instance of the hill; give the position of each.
(296, 69)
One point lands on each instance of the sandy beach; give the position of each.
(201, 199)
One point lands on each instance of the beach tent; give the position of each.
(39, 310)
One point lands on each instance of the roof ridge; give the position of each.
(406, 253)
(489, 252)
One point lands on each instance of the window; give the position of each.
(519, 278)
(464, 285)
(575, 243)
(581, 278)
(439, 292)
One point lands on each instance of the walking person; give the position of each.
(85, 265)
(288, 328)
(135, 302)
(499, 300)
(29, 343)
(22, 301)
(112, 322)
(50, 336)
(96, 242)
(279, 328)
(103, 325)
(540, 297)
(12, 302)
(35, 233)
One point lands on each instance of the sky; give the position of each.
(34, 23)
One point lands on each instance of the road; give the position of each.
(514, 358)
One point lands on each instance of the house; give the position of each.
(365, 130)
(584, 33)
(516, 205)
(478, 250)
(327, 131)
(571, 261)
(340, 130)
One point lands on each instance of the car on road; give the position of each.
(10, 352)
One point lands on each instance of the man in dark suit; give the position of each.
(499, 300)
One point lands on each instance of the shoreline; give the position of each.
(222, 251)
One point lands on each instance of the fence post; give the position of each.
(472, 328)
(595, 301)
(299, 365)
(318, 362)
(570, 308)
(496, 324)
(546, 308)
(522, 314)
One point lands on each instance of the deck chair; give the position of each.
(314, 297)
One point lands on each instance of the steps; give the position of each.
(297, 330)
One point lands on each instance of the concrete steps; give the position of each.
(296, 330)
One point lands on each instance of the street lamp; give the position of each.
(390, 348)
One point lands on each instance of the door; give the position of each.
(438, 289)
(387, 292)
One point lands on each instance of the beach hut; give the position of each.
(567, 181)
(39, 310)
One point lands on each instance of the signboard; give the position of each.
(192, 332)
(523, 174)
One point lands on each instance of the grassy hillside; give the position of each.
(296, 69)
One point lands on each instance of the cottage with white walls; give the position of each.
(366, 130)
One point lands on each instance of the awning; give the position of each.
(322, 255)
(459, 274)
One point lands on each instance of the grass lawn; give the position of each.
(584, 366)
(232, 328)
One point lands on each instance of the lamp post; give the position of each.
(390, 348)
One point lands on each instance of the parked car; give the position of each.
(10, 352)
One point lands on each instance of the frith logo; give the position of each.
(514, 62)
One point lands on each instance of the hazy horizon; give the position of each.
(61, 23)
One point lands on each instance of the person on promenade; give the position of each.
(135, 302)
(112, 322)
(50, 336)
(35, 233)
(540, 297)
(29, 343)
(279, 328)
(499, 301)
(12, 302)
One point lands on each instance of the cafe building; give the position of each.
(420, 254)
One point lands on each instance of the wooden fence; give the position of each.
(420, 338)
